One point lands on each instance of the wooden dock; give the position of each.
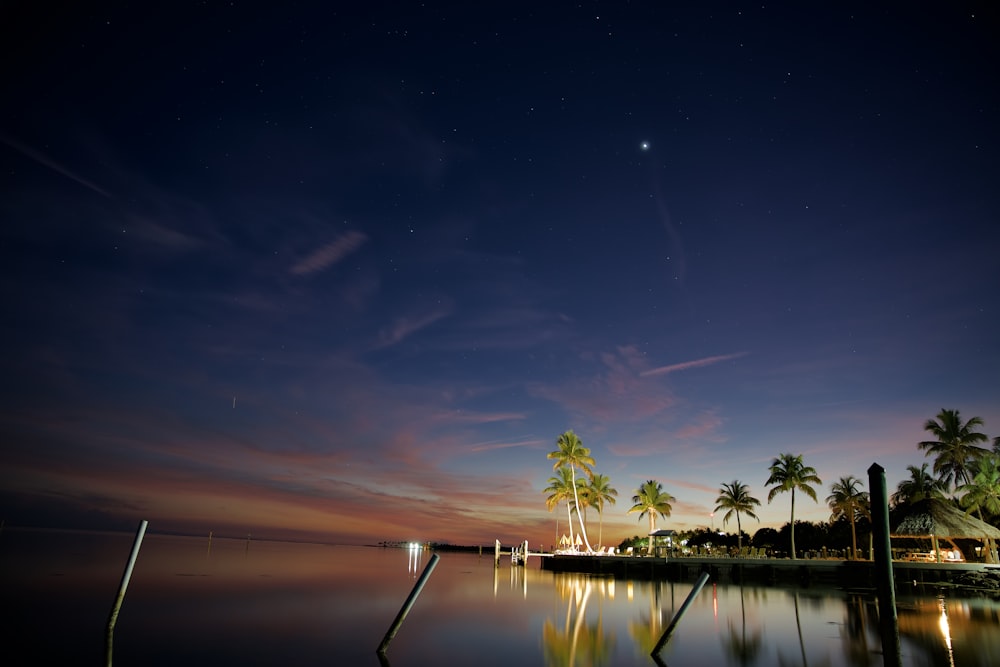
(857, 574)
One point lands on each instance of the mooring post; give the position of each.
(885, 585)
(401, 616)
(126, 576)
(680, 613)
(496, 553)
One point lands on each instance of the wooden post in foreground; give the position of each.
(885, 585)
(496, 553)
(401, 616)
(126, 576)
(680, 613)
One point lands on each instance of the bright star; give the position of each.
(644, 146)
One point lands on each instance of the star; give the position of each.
(644, 146)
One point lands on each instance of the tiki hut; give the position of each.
(938, 519)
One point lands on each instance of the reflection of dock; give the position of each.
(852, 574)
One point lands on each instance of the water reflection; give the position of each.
(743, 646)
(299, 604)
(746, 625)
(579, 642)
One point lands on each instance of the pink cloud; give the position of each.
(697, 363)
(618, 392)
(329, 254)
(406, 326)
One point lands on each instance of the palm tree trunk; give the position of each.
(739, 533)
(569, 521)
(792, 526)
(579, 514)
(652, 529)
(600, 528)
(854, 538)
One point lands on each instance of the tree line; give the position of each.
(963, 472)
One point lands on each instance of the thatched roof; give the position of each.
(942, 519)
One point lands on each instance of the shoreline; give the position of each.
(845, 574)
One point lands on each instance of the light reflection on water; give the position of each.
(269, 603)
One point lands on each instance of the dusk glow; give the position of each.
(346, 275)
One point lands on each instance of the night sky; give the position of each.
(346, 274)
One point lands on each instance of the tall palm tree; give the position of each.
(736, 499)
(846, 499)
(601, 493)
(919, 486)
(560, 490)
(789, 473)
(571, 453)
(955, 450)
(651, 500)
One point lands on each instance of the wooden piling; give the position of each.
(884, 583)
(401, 616)
(680, 614)
(122, 587)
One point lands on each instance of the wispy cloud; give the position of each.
(45, 160)
(403, 327)
(614, 393)
(697, 363)
(488, 446)
(329, 254)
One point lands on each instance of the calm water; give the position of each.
(275, 603)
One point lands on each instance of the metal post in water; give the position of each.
(401, 616)
(680, 613)
(126, 576)
(885, 585)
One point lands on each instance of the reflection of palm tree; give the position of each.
(572, 454)
(646, 632)
(735, 497)
(855, 633)
(744, 651)
(650, 499)
(802, 644)
(582, 645)
(846, 499)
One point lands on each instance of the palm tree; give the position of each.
(650, 499)
(983, 492)
(560, 489)
(735, 498)
(788, 473)
(955, 449)
(601, 493)
(572, 454)
(921, 485)
(846, 499)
